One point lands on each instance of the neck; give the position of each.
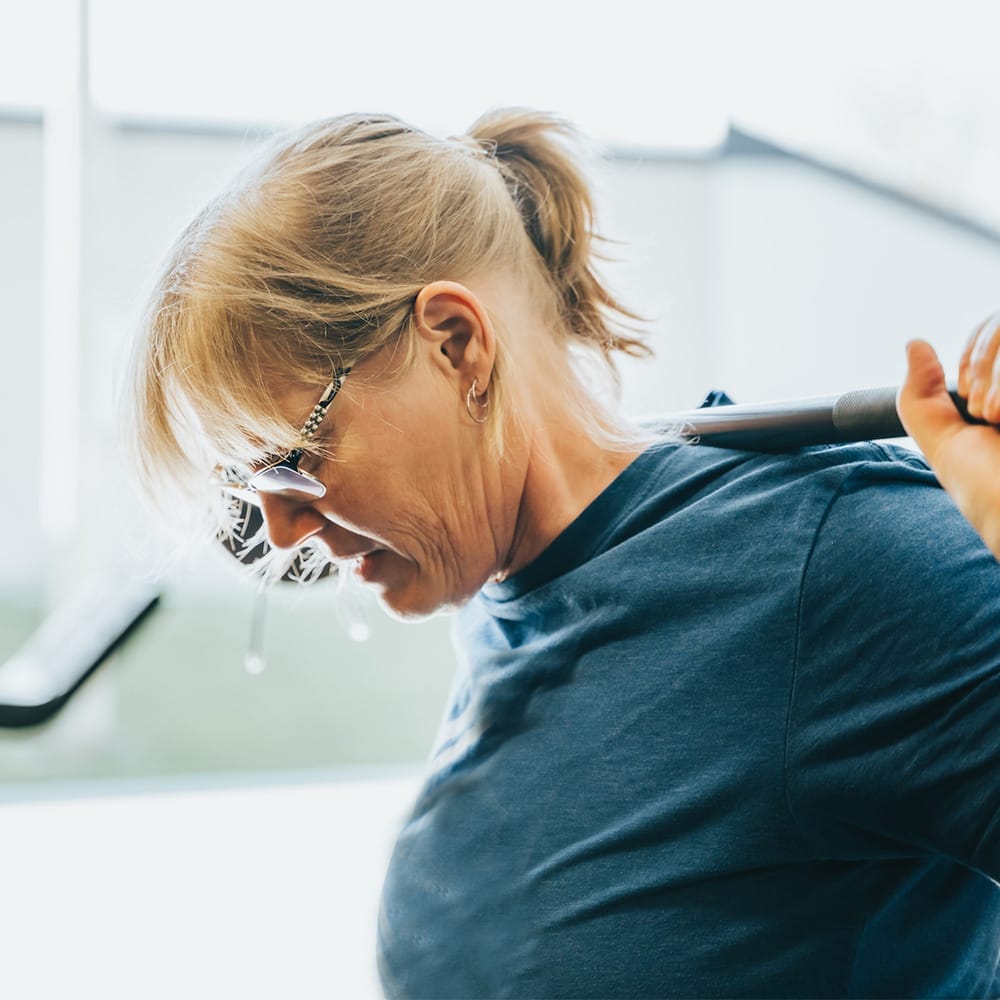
(565, 472)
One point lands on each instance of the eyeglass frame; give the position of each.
(261, 480)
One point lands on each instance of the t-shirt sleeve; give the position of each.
(893, 740)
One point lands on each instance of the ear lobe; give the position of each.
(452, 320)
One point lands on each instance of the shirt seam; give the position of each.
(834, 497)
(796, 651)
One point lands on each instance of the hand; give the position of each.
(965, 457)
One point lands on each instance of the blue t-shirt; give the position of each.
(735, 733)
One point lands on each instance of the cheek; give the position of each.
(394, 477)
(392, 515)
(421, 570)
(401, 499)
(401, 477)
(416, 425)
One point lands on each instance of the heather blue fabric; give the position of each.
(733, 734)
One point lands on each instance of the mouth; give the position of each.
(367, 566)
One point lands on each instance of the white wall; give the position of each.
(819, 283)
(22, 561)
(660, 212)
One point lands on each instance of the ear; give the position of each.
(454, 324)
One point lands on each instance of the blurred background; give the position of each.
(795, 190)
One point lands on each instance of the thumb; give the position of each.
(924, 376)
(924, 406)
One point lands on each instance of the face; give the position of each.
(413, 503)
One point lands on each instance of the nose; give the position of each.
(289, 523)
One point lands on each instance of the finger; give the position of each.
(991, 401)
(981, 364)
(965, 362)
(925, 408)
(925, 375)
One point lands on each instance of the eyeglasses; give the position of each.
(285, 475)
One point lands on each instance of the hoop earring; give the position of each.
(470, 398)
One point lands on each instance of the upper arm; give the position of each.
(894, 724)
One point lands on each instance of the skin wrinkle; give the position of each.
(424, 531)
(426, 536)
(471, 513)
(417, 478)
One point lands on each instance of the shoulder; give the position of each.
(889, 514)
(810, 475)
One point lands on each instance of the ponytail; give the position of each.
(533, 152)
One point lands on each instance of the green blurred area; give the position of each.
(176, 699)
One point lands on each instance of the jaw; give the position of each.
(410, 590)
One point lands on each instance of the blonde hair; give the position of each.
(312, 261)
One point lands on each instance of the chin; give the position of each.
(411, 602)
(408, 594)
(409, 607)
(411, 616)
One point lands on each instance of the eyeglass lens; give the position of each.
(282, 477)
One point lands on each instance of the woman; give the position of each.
(724, 724)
